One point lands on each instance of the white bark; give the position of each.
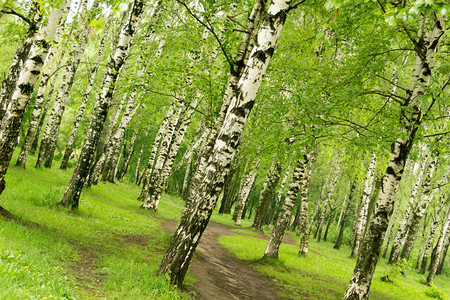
(402, 229)
(410, 121)
(368, 184)
(207, 181)
(24, 88)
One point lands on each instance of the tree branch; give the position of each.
(210, 29)
(13, 12)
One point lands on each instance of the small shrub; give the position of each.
(400, 267)
(435, 293)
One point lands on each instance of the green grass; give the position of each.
(326, 273)
(108, 248)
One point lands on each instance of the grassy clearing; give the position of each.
(109, 248)
(324, 273)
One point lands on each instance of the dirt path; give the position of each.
(221, 276)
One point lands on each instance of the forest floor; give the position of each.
(220, 275)
(110, 249)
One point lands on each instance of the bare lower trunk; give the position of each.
(439, 246)
(266, 196)
(318, 202)
(280, 226)
(127, 157)
(422, 243)
(403, 227)
(443, 255)
(419, 212)
(365, 201)
(273, 217)
(331, 189)
(207, 181)
(391, 232)
(428, 245)
(117, 59)
(338, 243)
(244, 194)
(304, 224)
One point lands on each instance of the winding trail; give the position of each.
(220, 275)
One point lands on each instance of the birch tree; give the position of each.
(72, 195)
(430, 33)
(84, 100)
(439, 246)
(207, 181)
(298, 178)
(403, 227)
(24, 88)
(367, 190)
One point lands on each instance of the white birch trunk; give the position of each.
(410, 121)
(439, 246)
(24, 88)
(80, 113)
(403, 227)
(245, 192)
(362, 221)
(22, 159)
(117, 60)
(331, 189)
(422, 205)
(280, 226)
(207, 181)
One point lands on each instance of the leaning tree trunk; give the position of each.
(321, 220)
(391, 232)
(266, 196)
(422, 242)
(116, 140)
(47, 104)
(304, 224)
(429, 243)
(410, 120)
(155, 147)
(443, 255)
(236, 71)
(338, 243)
(166, 157)
(318, 202)
(80, 113)
(422, 206)
(244, 194)
(24, 88)
(39, 101)
(127, 157)
(72, 195)
(64, 90)
(439, 246)
(303, 230)
(103, 151)
(22, 55)
(207, 181)
(403, 228)
(298, 178)
(368, 183)
(273, 217)
(355, 223)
